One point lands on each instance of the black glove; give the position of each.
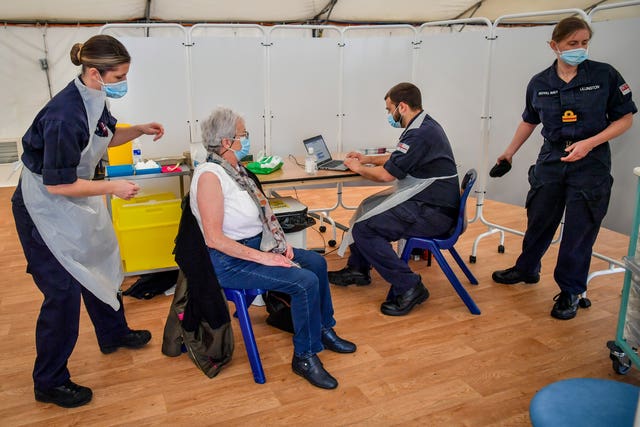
(500, 169)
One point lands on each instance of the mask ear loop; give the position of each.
(225, 148)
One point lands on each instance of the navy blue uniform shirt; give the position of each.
(54, 142)
(580, 109)
(425, 152)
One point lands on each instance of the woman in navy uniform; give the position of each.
(62, 221)
(582, 104)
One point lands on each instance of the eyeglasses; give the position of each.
(244, 135)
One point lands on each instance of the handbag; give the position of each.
(279, 308)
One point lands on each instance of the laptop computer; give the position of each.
(323, 155)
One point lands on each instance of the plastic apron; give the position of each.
(401, 191)
(78, 230)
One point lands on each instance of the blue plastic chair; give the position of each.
(436, 245)
(242, 298)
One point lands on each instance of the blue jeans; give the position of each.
(311, 306)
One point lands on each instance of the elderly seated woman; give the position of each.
(248, 249)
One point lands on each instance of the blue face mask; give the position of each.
(574, 56)
(115, 90)
(244, 151)
(392, 121)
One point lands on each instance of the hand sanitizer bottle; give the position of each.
(137, 151)
(310, 163)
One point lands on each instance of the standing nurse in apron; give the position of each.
(582, 104)
(62, 221)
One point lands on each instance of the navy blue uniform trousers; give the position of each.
(583, 188)
(57, 325)
(372, 239)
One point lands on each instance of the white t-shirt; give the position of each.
(241, 216)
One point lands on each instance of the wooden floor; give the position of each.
(438, 366)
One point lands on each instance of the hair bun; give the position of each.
(75, 55)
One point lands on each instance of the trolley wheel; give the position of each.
(620, 361)
(322, 228)
(500, 249)
(619, 366)
(472, 259)
(584, 303)
(332, 243)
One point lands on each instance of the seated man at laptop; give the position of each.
(423, 202)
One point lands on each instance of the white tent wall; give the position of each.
(315, 85)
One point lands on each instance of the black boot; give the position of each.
(566, 306)
(331, 341)
(349, 276)
(132, 339)
(67, 395)
(310, 368)
(402, 304)
(511, 276)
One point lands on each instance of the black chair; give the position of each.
(436, 245)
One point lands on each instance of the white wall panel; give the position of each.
(518, 55)
(304, 92)
(372, 65)
(157, 92)
(451, 70)
(616, 42)
(229, 72)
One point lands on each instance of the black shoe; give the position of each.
(331, 341)
(68, 395)
(310, 368)
(566, 306)
(511, 276)
(132, 339)
(404, 303)
(349, 276)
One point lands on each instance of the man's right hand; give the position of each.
(355, 155)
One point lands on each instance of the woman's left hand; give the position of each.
(289, 252)
(577, 150)
(152, 129)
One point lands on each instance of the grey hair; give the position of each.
(220, 124)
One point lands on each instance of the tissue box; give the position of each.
(146, 228)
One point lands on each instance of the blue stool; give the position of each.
(242, 298)
(584, 402)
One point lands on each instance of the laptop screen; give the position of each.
(319, 148)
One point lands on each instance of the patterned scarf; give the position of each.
(273, 239)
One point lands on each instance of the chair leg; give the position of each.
(463, 266)
(462, 292)
(241, 304)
